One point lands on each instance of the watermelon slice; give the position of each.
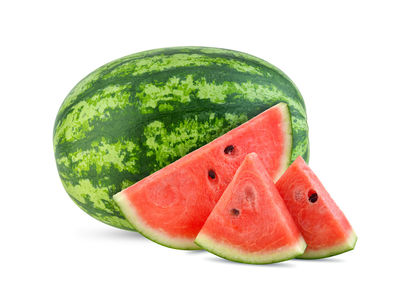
(323, 225)
(250, 223)
(171, 205)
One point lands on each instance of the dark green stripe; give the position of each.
(217, 74)
(133, 131)
(128, 122)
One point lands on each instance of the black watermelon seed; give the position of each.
(313, 197)
(235, 211)
(211, 174)
(229, 149)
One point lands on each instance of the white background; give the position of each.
(343, 56)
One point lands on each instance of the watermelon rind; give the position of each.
(154, 235)
(286, 125)
(346, 246)
(233, 254)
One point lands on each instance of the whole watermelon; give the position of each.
(135, 115)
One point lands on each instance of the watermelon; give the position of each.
(171, 205)
(135, 115)
(250, 223)
(325, 228)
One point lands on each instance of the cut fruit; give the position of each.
(250, 223)
(323, 225)
(171, 205)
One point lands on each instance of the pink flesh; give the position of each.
(322, 223)
(178, 198)
(251, 215)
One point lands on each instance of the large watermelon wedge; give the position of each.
(135, 115)
(250, 223)
(323, 225)
(171, 205)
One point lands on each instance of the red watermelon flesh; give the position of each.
(324, 227)
(250, 223)
(171, 205)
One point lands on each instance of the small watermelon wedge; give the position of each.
(250, 223)
(171, 205)
(325, 228)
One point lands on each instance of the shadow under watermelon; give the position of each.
(283, 264)
(112, 234)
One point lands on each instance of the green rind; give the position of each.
(346, 246)
(117, 218)
(233, 254)
(154, 235)
(115, 128)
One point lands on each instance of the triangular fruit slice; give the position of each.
(171, 205)
(250, 223)
(323, 225)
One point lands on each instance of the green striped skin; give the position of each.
(135, 115)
